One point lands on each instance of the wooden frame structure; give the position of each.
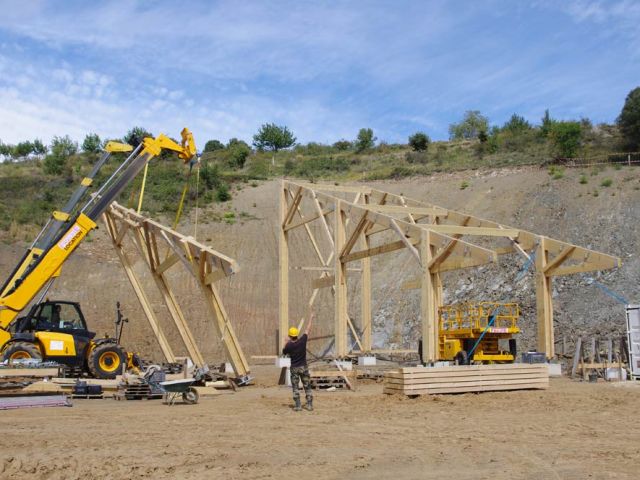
(204, 264)
(353, 220)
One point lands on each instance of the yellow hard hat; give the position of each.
(293, 332)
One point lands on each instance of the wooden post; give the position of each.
(576, 357)
(544, 303)
(365, 297)
(284, 268)
(428, 306)
(340, 299)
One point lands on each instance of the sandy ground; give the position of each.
(571, 431)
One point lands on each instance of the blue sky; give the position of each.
(324, 69)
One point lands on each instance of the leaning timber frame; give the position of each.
(204, 264)
(352, 217)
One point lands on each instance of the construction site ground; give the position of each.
(573, 430)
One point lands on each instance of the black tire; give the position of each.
(191, 396)
(105, 361)
(461, 358)
(22, 350)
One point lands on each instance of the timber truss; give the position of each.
(204, 264)
(353, 221)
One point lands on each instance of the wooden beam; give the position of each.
(293, 207)
(168, 262)
(340, 299)
(348, 246)
(428, 307)
(373, 251)
(557, 261)
(283, 258)
(476, 231)
(408, 210)
(323, 282)
(331, 188)
(544, 302)
(306, 220)
(405, 240)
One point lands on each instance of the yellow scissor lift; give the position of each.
(470, 332)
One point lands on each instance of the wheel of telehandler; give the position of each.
(106, 360)
(22, 351)
(461, 358)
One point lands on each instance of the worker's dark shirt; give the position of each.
(297, 350)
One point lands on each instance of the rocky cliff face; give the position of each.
(527, 198)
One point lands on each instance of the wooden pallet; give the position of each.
(136, 392)
(466, 378)
(322, 379)
(88, 397)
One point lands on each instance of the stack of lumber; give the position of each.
(466, 378)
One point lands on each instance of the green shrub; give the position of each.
(583, 179)
(416, 157)
(222, 193)
(607, 182)
(229, 217)
(464, 185)
(419, 141)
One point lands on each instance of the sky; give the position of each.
(324, 69)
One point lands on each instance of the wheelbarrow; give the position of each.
(173, 389)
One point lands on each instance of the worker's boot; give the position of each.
(309, 405)
(297, 407)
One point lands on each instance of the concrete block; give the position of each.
(555, 369)
(616, 374)
(345, 365)
(283, 362)
(442, 364)
(366, 361)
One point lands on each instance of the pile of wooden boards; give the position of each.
(466, 378)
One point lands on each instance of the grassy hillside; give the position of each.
(29, 195)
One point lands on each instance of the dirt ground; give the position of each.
(571, 431)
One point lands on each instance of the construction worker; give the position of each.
(296, 348)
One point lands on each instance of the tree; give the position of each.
(629, 119)
(136, 135)
(237, 153)
(547, 124)
(22, 149)
(39, 148)
(61, 149)
(5, 150)
(273, 137)
(516, 124)
(213, 145)
(565, 137)
(342, 145)
(471, 125)
(419, 141)
(365, 140)
(91, 143)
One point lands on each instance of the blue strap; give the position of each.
(612, 294)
